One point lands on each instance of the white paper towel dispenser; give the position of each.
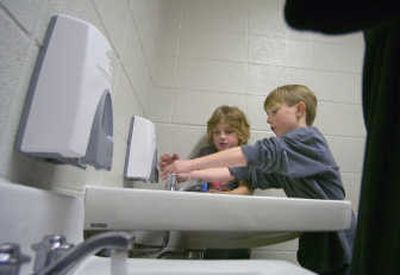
(68, 112)
(141, 156)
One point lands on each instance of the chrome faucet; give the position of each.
(172, 182)
(72, 256)
(11, 259)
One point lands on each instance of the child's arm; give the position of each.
(227, 158)
(241, 190)
(210, 175)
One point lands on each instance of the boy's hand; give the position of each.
(181, 177)
(167, 159)
(177, 167)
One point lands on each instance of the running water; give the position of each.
(119, 262)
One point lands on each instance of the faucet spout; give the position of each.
(108, 240)
(172, 182)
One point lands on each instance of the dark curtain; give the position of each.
(377, 243)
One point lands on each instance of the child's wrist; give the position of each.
(194, 164)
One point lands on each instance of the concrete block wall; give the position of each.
(23, 25)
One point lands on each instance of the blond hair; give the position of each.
(291, 95)
(232, 116)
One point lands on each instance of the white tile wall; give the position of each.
(13, 81)
(336, 86)
(211, 75)
(115, 22)
(263, 78)
(23, 25)
(265, 23)
(126, 103)
(341, 119)
(255, 112)
(337, 57)
(27, 14)
(222, 15)
(212, 45)
(185, 112)
(267, 50)
(348, 152)
(11, 39)
(161, 104)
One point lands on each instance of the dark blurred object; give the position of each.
(377, 244)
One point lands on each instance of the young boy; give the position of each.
(298, 160)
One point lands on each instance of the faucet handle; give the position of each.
(51, 248)
(110, 240)
(11, 258)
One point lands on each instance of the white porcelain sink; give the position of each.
(224, 239)
(207, 220)
(102, 266)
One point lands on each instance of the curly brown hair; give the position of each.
(232, 116)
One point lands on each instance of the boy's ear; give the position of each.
(301, 108)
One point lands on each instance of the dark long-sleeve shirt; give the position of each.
(302, 164)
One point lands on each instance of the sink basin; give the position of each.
(227, 240)
(209, 220)
(102, 266)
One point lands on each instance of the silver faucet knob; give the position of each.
(108, 240)
(11, 259)
(51, 248)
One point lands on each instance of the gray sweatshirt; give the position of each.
(302, 164)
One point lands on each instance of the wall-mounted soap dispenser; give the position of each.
(68, 112)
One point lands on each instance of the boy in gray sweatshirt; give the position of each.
(298, 160)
